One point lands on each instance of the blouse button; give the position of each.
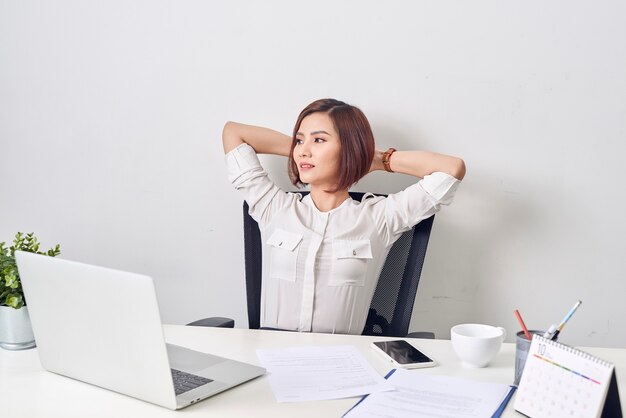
(280, 244)
(353, 252)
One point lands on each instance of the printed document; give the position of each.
(423, 395)
(314, 373)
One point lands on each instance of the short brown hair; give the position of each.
(355, 136)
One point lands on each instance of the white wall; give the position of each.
(111, 114)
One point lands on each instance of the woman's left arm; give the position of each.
(420, 163)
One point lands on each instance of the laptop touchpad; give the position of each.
(184, 359)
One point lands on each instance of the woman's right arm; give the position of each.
(264, 197)
(263, 140)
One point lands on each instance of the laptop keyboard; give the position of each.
(184, 382)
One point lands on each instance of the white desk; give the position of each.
(26, 390)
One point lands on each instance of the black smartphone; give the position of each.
(402, 354)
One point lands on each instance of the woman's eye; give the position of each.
(298, 142)
(318, 140)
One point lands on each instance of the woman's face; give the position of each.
(318, 151)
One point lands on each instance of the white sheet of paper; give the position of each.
(314, 373)
(425, 395)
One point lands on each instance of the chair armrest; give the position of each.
(215, 321)
(422, 334)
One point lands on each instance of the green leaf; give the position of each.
(14, 300)
(11, 281)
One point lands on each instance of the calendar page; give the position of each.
(561, 381)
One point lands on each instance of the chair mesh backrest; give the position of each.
(392, 304)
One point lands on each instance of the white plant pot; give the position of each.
(16, 333)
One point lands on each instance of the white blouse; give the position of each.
(320, 269)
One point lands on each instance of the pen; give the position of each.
(554, 331)
(567, 317)
(521, 322)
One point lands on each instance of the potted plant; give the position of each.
(15, 330)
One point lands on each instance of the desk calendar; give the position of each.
(562, 381)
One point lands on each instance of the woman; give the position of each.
(322, 254)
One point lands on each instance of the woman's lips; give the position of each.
(306, 166)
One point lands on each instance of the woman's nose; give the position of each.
(305, 149)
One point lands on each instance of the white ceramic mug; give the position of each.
(477, 344)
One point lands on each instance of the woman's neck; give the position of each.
(326, 201)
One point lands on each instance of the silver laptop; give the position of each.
(103, 327)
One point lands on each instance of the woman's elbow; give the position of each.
(458, 172)
(230, 136)
(229, 126)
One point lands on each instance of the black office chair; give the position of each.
(392, 304)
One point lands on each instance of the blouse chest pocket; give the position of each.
(350, 260)
(284, 254)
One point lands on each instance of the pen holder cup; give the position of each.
(522, 345)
